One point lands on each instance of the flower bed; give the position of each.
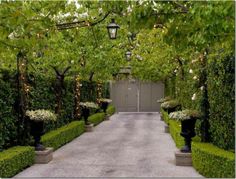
(63, 135)
(15, 160)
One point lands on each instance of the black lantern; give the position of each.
(128, 55)
(112, 29)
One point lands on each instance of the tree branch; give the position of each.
(9, 45)
(79, 24)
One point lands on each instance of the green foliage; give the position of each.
(221, 91)
(175, 129)
(213, 162)
(15, 159)
(8, 126)
(111, 110)
(96, 118)
(63, 135)
(165, 116)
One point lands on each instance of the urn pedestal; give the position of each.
(43, 157)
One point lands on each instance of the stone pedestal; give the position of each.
(183, 159)
(167, 130)
(45, 156)
(89, 128)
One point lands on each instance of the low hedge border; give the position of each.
(15, 159)
(111, 110)
(96, 118)
(212, 161)
(165, 116)
(63, 135)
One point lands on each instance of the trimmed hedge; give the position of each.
(165, 116)
(15, 159)
(212, 161)
(111, 110)
(96, 118)
(63, 135)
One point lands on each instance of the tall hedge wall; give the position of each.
(40, 96)
(221, 91)
(220, 88)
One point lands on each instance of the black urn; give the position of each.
(36, 130)
(104, 106)
(188, 132)
(85, 114)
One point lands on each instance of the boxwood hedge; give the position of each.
(212, 161)
(96, 118)
(15, 159)
(63, 135)
(111, 110)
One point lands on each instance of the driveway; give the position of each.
(128, 145)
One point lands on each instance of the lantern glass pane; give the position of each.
(112, 32)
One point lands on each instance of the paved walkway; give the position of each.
(128, 145)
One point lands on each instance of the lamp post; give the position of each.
(128, 55)
(112, 29)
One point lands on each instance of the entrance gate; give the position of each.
(136, 96)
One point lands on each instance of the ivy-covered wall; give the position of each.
(220, 82)
(41, 95)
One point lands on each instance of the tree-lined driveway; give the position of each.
(128, 145)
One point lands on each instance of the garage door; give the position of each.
(136, 96)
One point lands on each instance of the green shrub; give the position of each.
(175, 128)
(15, 160)
(96, 118)
(165, 116)
(63, 135)
(221, 75)
(212, 161)
(111, 110)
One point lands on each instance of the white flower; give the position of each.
(41, 115)
(88, 104)
(195, 77)
(105, 100)
(194, 61)
(202, 88)
(194, 96)
(175, 70)
(190, 71)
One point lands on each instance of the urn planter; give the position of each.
(85, 114)
(188, 132)
(36, 130)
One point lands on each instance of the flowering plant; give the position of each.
(105, 100)
(41, 115)
(162, 100)
(185, 114)
(170, 104)
(88, 104)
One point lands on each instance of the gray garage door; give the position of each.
(136, 96)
